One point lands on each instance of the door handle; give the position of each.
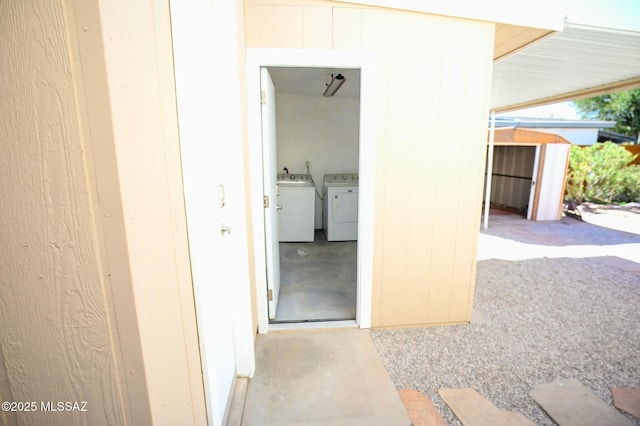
(278, 207)
(225, 230)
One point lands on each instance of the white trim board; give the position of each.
(257, 58)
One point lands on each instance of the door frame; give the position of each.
(257, 58)
(533, 190)
(270, 188)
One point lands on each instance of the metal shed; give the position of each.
(529, 172)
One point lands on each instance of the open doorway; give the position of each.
(513, 180)
(314, 164)
(258, 59)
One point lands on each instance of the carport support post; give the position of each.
(487, 191)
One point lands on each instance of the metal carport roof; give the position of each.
(579, 62)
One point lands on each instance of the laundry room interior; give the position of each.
(317, 155)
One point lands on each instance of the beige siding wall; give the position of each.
(141, 88)
(434, 75)
(96, 301)
(58, 335)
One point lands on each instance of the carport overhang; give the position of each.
(538, 57)
(581, 61)
(518, 24)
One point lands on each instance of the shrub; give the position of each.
(601, 173)
(577, 173)
(631, 184)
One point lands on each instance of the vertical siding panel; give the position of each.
(475, 115)
(428, 187)
(288, 27)
(448, 169)
(507, 169)
(397, 195)
(59, 337)
(347, 28)
(496, 188)
(317, 27)
(259, 26)
(514, 183)
(375, 38)
(374, 30)
(423, 162)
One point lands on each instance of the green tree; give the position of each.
(621, 107)
(601, 173)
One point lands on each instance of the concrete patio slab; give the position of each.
(321, 378)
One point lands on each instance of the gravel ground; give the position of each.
(535, 320)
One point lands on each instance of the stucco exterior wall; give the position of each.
(96, 302)
(435, 73)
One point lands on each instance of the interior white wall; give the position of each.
(323, 131)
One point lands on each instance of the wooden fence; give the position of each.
(634, 149)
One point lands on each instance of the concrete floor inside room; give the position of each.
(318, 281)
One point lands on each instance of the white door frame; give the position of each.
(270, 188)
(257, 58)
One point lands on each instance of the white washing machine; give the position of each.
(340, 207)
(296, 214)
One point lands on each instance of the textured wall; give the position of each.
(57, 332)
(141, 90)
(95, 276)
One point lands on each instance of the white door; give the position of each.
(534, 182)
(270, 182)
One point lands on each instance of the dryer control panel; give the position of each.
(350, 178)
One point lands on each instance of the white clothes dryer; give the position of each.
(340, 207)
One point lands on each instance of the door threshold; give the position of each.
(311, 325)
